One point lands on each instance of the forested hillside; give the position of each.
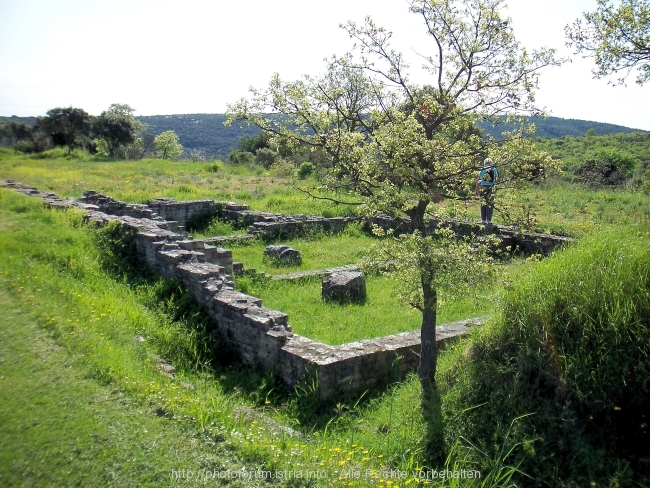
(558, 127)
(206, 132)
(14, 118)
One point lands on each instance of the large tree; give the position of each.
(67, 126)
(617, 37)
(399, 148)
(116, 129)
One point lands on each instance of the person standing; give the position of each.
(487, 178)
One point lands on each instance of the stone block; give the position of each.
(283, 254)
(238, 268)
(344, 286)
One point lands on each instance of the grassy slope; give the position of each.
(569, 351)
(49, 263)
(58, 427)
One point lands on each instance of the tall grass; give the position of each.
(571, 344)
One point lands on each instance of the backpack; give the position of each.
(488, 176)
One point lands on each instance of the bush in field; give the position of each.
(571, 346)
(265, 157)
(241, 158)
(282, 168)
(306, 170)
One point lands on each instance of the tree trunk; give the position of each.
(429, 351)
(416, 215)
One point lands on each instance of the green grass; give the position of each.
(61, 428)
(333, 323)
(555, 206)
(318, 250)
(51, 267)
(141, 181)
(572, 339)
(54, 268)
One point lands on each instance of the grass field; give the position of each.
(83, 397)
(141, 181)
(61, 427)
(555, 206)
(381, 314)
(65, 288)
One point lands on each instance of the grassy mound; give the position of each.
(571, 346)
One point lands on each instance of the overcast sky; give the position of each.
(196, 56)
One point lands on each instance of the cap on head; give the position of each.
(487, 162)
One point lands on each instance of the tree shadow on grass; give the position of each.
(435, 449)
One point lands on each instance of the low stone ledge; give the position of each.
(226, 239)
(184, 211)
(345, 368)
(316, 273)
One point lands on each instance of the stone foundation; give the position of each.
(263, 336)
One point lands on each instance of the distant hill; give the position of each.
(206, 132)
(15, 118)
(558, 127)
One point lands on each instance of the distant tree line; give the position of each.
(115, 133)
(204, 136)
(592, 152)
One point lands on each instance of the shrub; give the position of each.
(606, 167)
(282, 168)
(306, 170)
(241, 158)
(265, 157)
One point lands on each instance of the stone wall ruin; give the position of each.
(262, 336)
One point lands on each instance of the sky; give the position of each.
(197, 56)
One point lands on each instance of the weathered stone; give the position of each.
(344, 286)
(283, 254)
(184, 212)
